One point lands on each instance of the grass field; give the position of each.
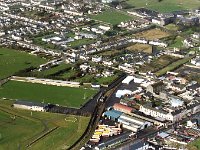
(19, 131)
(100, 80)
(81, 42)
(158, 63)
(112, 17)
(178, 42)
(152, 34)
(173, 66)
(110, 53)
(165, 5)
(52, 70)
(140, 48)
(172, 27)
(66, 96)
(11, 61)
(195, 145)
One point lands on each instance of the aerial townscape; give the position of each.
(99, 74)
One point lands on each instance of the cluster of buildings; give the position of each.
(134, 24)
(185, 16)
(164, 101)
(192, 41)
(178, 137)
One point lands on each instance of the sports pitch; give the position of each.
(65, 96)
(19, 128)
(112, 17)
(165, 5)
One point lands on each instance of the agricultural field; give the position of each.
(112, 17)
(152, 34)
(66, 96)
(140, 48)
(19, 128)
(165, 5)
(158, 63)
(12, 61)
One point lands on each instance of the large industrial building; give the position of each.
(132, 123)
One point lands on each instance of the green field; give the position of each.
(112, 17)
(51, 71)
(195, 145)
(173, 66)
(11, 61)
(158, 63)
(81, 42)
(165, 5)
(66, 96)
(177, 43)
(19, 131)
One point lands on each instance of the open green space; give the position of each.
(110, 53)
(81, 42)
(68, 75)
(52, 71)
(173, 66)
(93, 79)
(66, 96)
(106, 80)
(195, 145)
(165, 5)
(158, 63)
(11, 61)
(112, 17)
(172, 27)
(177, 43)
(38, 41)
(152, 34)
(19, 128)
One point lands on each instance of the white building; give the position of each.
(196, 61)
(132, 123)
(29, 105)
(97, 59)
(128, 79)
(108, 1)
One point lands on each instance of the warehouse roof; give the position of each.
(113, 113)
